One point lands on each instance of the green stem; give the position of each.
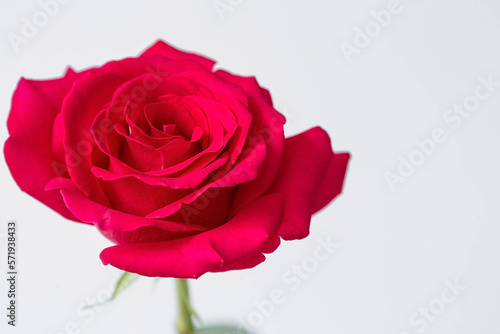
(184, 320)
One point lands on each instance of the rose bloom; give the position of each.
(185, 169)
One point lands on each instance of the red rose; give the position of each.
(186, 169)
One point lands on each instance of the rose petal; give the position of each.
(35, 106)
(334, 180)
(267, 124)
(118, 226)
(247, 263)
(165, 50)
(242, 237)
(210, 209)
(213, 141)
(146, 158)
(254, 260)
(86, 98)
(216, 84)
(244, 119)
(305, 168)
(187, 180)
(163, 113)
(132, 196)
(167, 135)
(246, 169)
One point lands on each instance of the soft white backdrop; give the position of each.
(398, 246)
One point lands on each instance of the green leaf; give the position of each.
(192, 311)
(124, 281)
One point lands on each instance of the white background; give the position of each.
(397, 247)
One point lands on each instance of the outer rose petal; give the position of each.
(244, 264)
(118, 226)
(256, 259)
(311, 175)
(243, 237)
(35, 105)
(85, 99)
(163, 49)
(267, 123)
(334, 180)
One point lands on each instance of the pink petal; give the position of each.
(334, 180)
(268, 125)
(247, 263)
(187, 180)
(133, 196)
(117, 225)
(163, 49)
(210, 209)
(35, 106)
(241, 238)
(246, 169)
(86, 98)
(254, 260)
(308, 179)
